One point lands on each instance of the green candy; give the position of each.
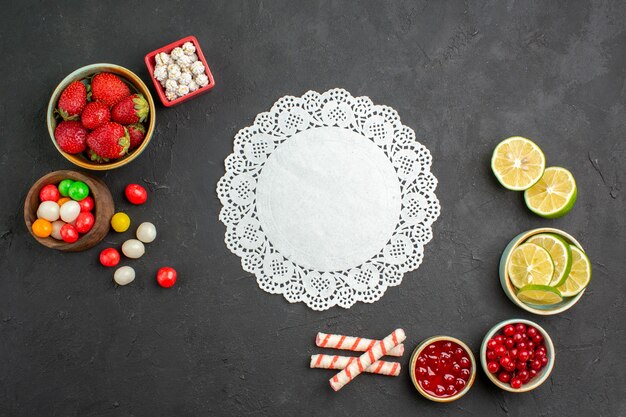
(64, 187)
(78, 190)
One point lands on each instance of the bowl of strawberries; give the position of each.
(101, 116)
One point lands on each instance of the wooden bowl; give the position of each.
(103, 210)
(87, 71)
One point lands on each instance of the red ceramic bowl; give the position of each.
(150, 63)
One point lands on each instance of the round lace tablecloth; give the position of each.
(328, 199)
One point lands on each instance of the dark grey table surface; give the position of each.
(464, 75)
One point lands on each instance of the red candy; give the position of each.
(49, 193)
(69, 233)
(84, 222)
(86, 204)
(109, 257)
(520, 358)
(442, 369)
(136, 194)
(166, 277)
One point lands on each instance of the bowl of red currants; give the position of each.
(442, 368)
(517, 355)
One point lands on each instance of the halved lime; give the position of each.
(539, 294)
(560, 253)
(530, 264)
(554, 195)
(518, 163)
(579, 275)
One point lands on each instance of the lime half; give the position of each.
(530, 264)
(560, 253)
(579, 275)
(539, 295)
(554, 195)
(518, 163)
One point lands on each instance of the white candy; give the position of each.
(177, 53)
(133, 249)
(171, 85)
(197, 68)
(48, 210)
(56, 229)
(185, 78)
(160, 72)
(173, 71)
(188, 48)
(184, 61)
(182, 90)
(162, 58)
(124, 275)
(193, 57)
(146, 232)
(171, 95)
(69, 211)
(193, 86)
(202, 80)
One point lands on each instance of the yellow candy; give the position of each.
(120, 222)
(63, 200)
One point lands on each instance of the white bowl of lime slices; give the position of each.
(544, 271)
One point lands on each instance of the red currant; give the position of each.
(509, 343)
(537, 338)
(459, 383)
(531, 331)
(493, 367)
(540, 353)
(505, 361)
(509, 330)
(465, 374)
(522, 355)
(521, 366)
(513, 353)
(544, 361)
(451, 390)
(517, 337)
(458, 352)
(491, 355)
(530, 345)
(516, 383)
(491, 344)
(500, 350)
(536, 364)
(504, 377)
(532, 373)
(523, 375)
(440, 390)
(499, 338)
(522, 345)
(464, 362)
(520, 328)
(456, 368)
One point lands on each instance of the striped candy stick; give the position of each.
(356, 344)
(373, 354)
(340, 362)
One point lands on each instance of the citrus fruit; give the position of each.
(539, 294)
(579, 275)
(554, 195)
(530, 264)
(560, 253)
(518, 163)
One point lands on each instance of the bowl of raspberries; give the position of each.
(101, 116)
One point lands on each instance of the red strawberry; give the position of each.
(72, 100)
(131, 110)
(95, 114)
(109, 140)
(137, 133)
(71, 136)
(108, 88)
(92, 156)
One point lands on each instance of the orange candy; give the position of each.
(42, 228)
(63, 200)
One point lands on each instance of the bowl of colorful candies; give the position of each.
(517, 355)
(442, 368)
(101, 116)
(68, 210)
(544, 271)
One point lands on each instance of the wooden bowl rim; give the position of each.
(100, 214)
(93, 69)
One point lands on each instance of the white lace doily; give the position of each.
(328, 199)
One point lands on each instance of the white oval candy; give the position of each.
(146, 232)
(49, 210)
(56, 229)
(69, 211)
(124, 275)
(133, 248)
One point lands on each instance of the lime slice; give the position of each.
(579, 274)
(518, 163)
(539, 294)
(554, 195)
(530, 264)
(560, 253)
